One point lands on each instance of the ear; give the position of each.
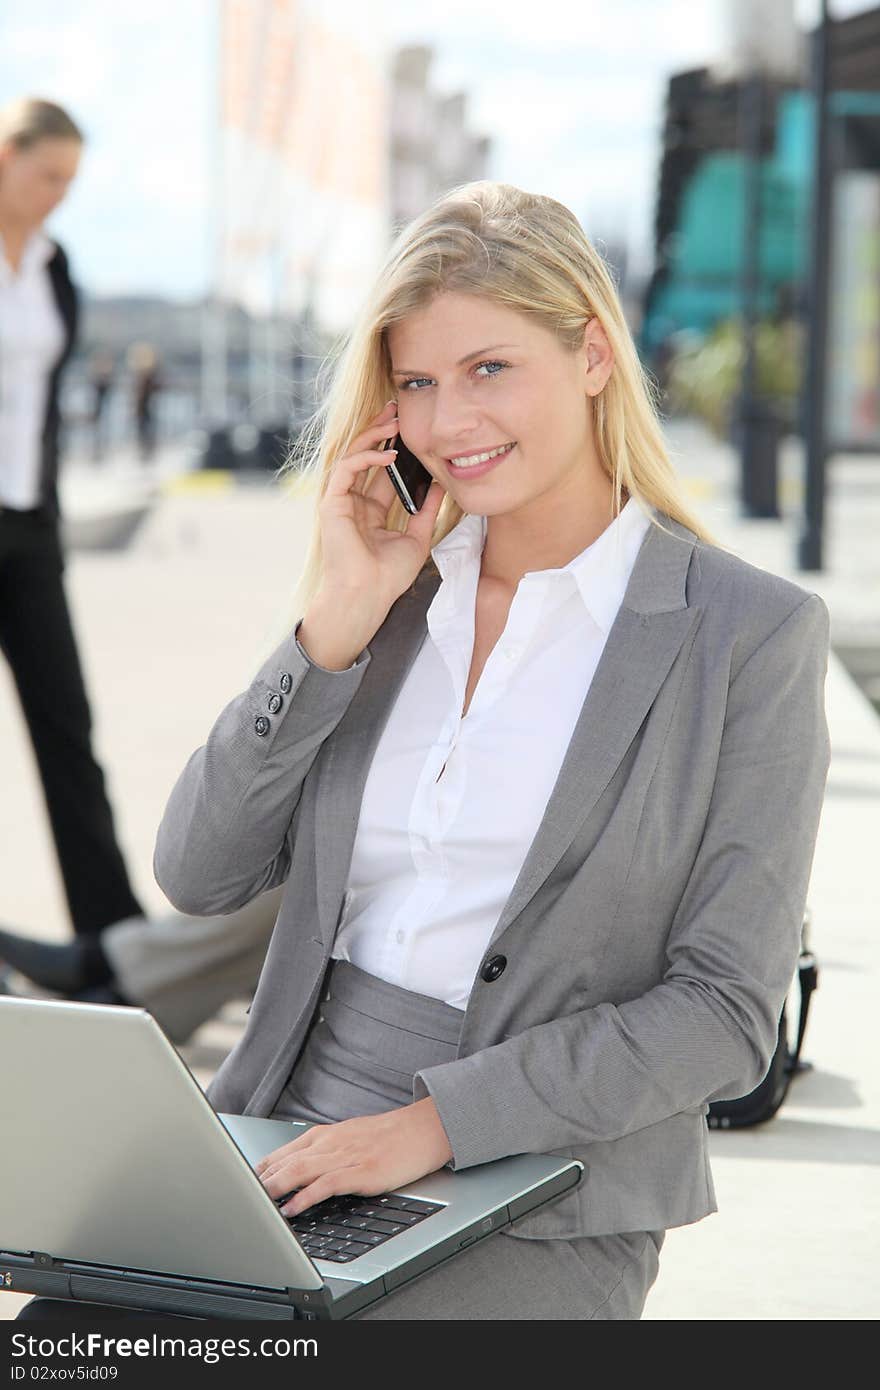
(598, 357)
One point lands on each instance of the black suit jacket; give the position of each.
(68, 306)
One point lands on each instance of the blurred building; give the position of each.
(289, 275)
(698, 228)
(432, 149)
(699, 219)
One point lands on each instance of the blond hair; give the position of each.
(28, 119)
(528, 253)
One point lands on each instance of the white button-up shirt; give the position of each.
(32, 338)
(436, 856)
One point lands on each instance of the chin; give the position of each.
(498, 506)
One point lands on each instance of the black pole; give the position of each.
(757, 424)
(810, 544)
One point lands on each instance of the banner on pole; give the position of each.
(304, 126)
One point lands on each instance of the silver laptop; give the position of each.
(119, 1184)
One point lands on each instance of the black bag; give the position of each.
(762, 1103)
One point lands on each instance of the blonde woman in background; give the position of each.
(540, 768)
(40, 150)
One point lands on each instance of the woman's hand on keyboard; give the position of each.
(370, 1155)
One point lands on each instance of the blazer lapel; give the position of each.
(648, 633)
(350, 751)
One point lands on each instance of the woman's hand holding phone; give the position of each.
(366, 567)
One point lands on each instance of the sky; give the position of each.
(571, 96)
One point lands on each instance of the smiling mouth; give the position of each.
(471, 460)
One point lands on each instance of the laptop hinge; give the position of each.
(311, 1304)
(44, 1261)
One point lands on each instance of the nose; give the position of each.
(454, 420)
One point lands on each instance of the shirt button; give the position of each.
(274, 703)
(261, 725)
(512, 653)
(286, 682)
(399, 938)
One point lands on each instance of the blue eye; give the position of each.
(414, 383)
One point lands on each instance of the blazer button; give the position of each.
(274, 703)
(495, 966)
(261, 725)
(286, 682)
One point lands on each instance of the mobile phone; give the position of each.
(409, 475)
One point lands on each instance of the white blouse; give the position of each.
(451, 804)
(32, 338)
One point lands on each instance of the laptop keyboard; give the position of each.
(341, 1228)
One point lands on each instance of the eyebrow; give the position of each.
(494, 347)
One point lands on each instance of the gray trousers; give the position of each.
(594, 1278)
(183, 969)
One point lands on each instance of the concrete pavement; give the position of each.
(174, 625)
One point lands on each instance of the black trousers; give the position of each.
(37, 639)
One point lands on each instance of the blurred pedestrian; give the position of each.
(101, 372)
(183, 969)
(144, 364)
(40, 149)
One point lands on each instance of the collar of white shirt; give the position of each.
(601, 572)
(38, 251)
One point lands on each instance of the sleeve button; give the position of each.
(261, 725)
(286, 682)
(274, 703)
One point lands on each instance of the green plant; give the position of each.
(703, 377)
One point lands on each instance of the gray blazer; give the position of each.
(653, 930)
